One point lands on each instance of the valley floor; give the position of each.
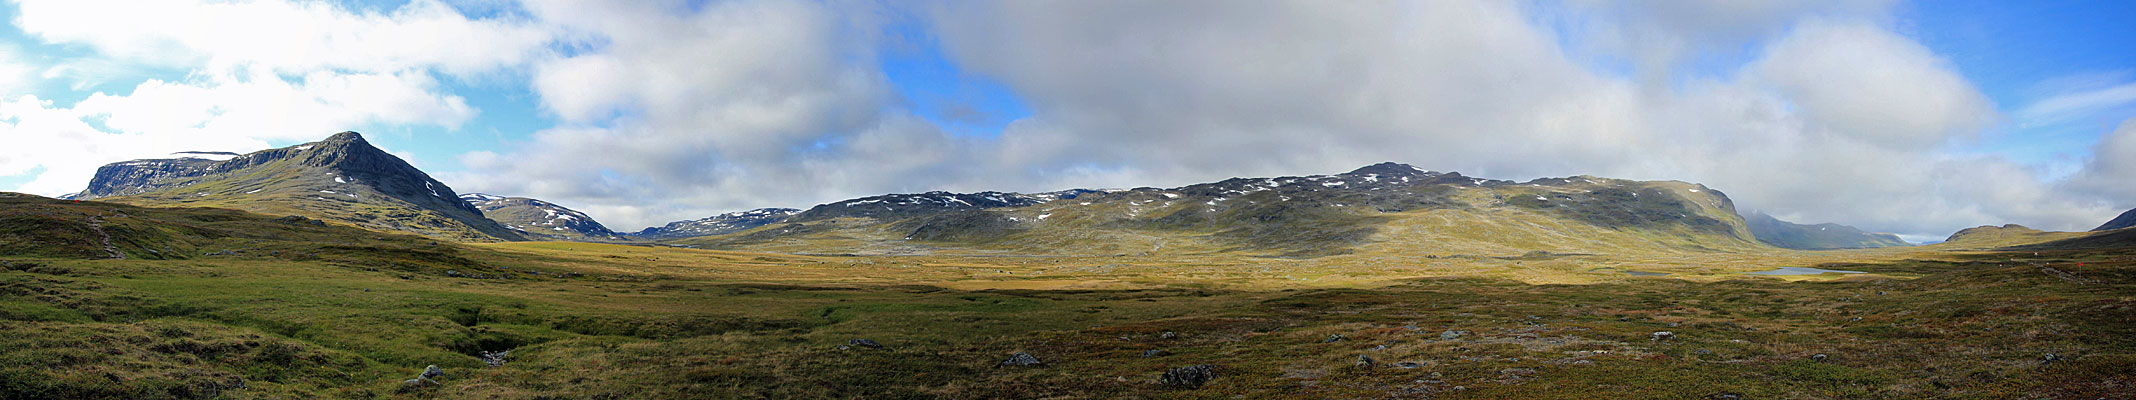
(591, 321)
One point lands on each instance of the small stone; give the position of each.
(1819, 357)
(432, 372)
(1880, 293)
(1662, 335)
(1152, 353)
(845, 347)
(1334, 338)
(1451, 335)
(1409, 365)
(865, 343)
(1167, 335)
(1020, 359)
(1364, 361)
(452, 273)
(1189, 377)
(2051, 357)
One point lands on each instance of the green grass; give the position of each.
(326, 312)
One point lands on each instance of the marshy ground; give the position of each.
(587, 321)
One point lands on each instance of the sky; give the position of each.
(1918, 118)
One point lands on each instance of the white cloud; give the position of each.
(290, 37)
(2072, 105)
(260, 71)
(1866, 82)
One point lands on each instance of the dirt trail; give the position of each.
(97, 223)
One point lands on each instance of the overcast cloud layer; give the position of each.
(669, 111)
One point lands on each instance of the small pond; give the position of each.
(1801, 271)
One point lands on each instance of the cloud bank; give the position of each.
(668, 110)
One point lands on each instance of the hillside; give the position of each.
(1826, 236)
(2126, 220)
(342, 179)
(33, 226)
(540, 219)
(718, 224)
(1380, 208)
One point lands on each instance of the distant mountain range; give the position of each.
(540, 219)
(341, 179)
(718, 224)
(1386, 207)
(1382, 207)
(1826, 236)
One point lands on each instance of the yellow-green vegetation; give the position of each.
(307, 311)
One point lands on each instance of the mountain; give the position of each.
(718, 224)
(2127, 219)
(1384, 207)
(1827, 236)
(893, 206)
(536, 218)
(341, 179)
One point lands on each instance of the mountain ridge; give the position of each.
(342, 178)
(1825, 236)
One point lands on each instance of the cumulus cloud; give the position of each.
(1816, 111)
(260, 71)
(293, 37)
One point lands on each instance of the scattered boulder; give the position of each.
(1410, 365)
(452, 273)
(1189, 377)
(427, 379)
(495, 359)
(1153, 353)
(1364, 361)
(1662, 335)
(865, 343)
(1725, 396)
(2050, 358)
(1020, 359)
(1167, 335)
(1451, 335)
(1819, 357)
(1334, 338)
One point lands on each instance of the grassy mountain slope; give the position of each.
(1825, 236)
(1379, 208)
(342, 179)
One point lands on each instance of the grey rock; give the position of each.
(432, 372)
(1364, 361)
(1189, 377)
(1334, 338)
(1662, 335)
(1451, 335)
(1409, 365)
(1819, 357)
(865, 343)
(1167, 335)
(1153, 353)
(2050, 358)
(1020, 359)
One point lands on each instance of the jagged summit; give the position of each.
(342, 178)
